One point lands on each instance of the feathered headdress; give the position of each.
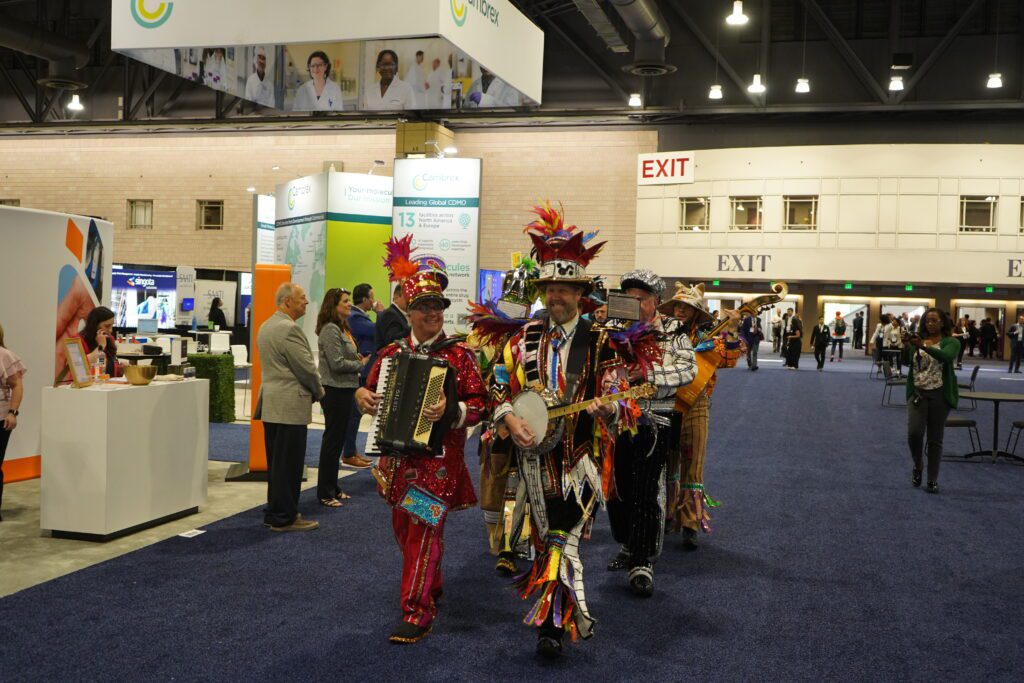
(637, 345)
(490, 325)
(561, 249)
(398, 261)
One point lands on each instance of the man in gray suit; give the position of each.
(290, 386)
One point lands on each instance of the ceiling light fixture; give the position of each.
(275, 167)
(634, 100)
(377, 163)
(716, 90)
(995, 81)
(250, 189)
(803, 85)
(76, 103)
(737, 18)
(756, 86)
(715, 93)
(896, 83)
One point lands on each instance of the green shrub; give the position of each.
(220, 370)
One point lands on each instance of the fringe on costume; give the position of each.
(543, 580)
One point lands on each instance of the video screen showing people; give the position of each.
(214, 67)
(260, 80)
(407, 74)
(321, 77)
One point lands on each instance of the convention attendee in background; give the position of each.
(393, 321)
(961, 334)
(491, 91)
(417, 80)
(98, 337)
(972, 336)
(391, 93)
(365, 331)
(878, 338)
(820, 337)
(216, 315)
(893, 334)
(838, 337)
(988, 338)
(752, 334)
(339, 368)
(931, 392)
(858, 330)
(776, 332)
(258, 87)
(915, 324)
(289, 388)
(794, 342)
(1016, 335)
(319, 93)
(11, 392)
(787, 319)
(214, 69)
(439, 87)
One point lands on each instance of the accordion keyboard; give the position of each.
(435, 387)
(382, 381)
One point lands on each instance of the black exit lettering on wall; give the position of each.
(743, 263)
(1016, 267)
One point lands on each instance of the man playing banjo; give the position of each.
(565, 359)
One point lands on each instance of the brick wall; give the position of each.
(592, 172)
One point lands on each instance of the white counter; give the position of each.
(118, 458)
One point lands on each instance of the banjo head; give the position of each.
(531, 407)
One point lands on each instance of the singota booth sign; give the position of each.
(341, 55)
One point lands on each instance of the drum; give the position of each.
(529, 406)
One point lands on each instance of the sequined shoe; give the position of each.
(407, 633)
(506, 564)
(932, 487)
(620, 561)
(916, 479)
(549, 648)
(641, 581)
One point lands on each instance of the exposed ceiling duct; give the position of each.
(65, 56)
(648, 25)
(595, 16)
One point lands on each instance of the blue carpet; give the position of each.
(230, 442)
(825, 564)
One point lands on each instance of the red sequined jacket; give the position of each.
(447, 476)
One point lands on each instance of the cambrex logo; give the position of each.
(489, 11)
(150, 18)
(295, 192)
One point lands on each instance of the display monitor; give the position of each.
(148, 326)
(188, 304)
(139, 293)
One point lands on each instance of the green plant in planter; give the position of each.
(220, 370)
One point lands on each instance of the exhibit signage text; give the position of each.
(672, 168)
(1016, 267)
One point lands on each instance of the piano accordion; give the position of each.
(410, 383)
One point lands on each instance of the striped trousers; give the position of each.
(686, 475)
(422, 549)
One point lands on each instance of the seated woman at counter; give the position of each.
(98, 337)
(217, 314)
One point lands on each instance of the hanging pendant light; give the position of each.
(75, 104)
(756, 86)
(715, 93)
(737, 18)
(995, 81)
(803, 85)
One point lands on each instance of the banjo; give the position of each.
(546, 420)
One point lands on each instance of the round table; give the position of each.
(996, 398)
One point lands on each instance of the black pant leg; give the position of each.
(337, 405)
(286, 456)
(648, 523)
(938, 411)
(619, 505)
(5, 437)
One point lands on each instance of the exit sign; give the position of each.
(989, 290)
(848, 285)
(715, 283)
(909, 288)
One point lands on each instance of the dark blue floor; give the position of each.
(824, 565)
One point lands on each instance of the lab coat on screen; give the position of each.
(329, 100)
(417, 80)
(398, 96)
(260, 91)
(499, 94)
(439, 96)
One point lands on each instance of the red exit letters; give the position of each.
(665, 168)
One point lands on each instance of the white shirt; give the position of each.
(398, 96)
(259, 90)
(416, 343)
(417, 80)
(568, 331)
(439, 96)
(498, 94)
(329, 100)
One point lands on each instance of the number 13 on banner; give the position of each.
(406, 219)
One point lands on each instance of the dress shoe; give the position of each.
(641, 582)
(620, 561)
(549, 648)
(916, 480)
(932, 487)
(407, 633)
(506, 564)
(690, 538)
(357, 461)
(298, 525)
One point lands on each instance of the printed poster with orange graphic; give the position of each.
(58, 271)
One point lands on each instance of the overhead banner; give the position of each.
(342, 55)
(438, 201)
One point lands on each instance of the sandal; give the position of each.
(342, 496)
(330, 502)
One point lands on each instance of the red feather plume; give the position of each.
(398, 260)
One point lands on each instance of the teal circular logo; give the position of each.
(464, 220)
(459, 12)
(151, 18)
(291, 198)
(445, 245)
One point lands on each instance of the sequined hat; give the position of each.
(560, 249)
(645, 279)
(429, 282)
(691, 296)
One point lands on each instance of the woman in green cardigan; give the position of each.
(931, 391)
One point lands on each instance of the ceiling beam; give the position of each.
(149, 92)
(173, 97)
(7, 76)
(845, 51)
(939, 49)
(766, 46)
(712, 50)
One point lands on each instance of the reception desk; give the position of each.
(117, 458)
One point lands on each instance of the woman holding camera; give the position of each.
(931, 391)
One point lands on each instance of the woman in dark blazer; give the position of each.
(217, 314)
